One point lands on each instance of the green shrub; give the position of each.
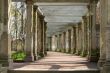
(18, 56)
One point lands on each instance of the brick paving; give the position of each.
(57, 61)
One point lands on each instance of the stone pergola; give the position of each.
(68, 25)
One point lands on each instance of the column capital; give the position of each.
(76, 26)
(92, 1)
(64, 32)
(35, 8)
(59, 34)
(29, 2)
(84, 17)
(69, 30)
(45, 23)
(50, 37)
(79, 23)
(41, 17)
(55, 35)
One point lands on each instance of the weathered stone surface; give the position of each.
(102, 34)
(28, 40)
(5, 43)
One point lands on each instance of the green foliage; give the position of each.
(18, 56)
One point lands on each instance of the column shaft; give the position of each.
(77, 46)
(5, 40)
(45, 29)
(72, 40)
(40, 37)
(93, 51)
(69, 41)
(28, 39)
(64, 43)
(105, 26)
(84, 49)
(34, 33)
(103, 23)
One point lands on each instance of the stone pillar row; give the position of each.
(35, 31)
(81, 38)
(35, 42)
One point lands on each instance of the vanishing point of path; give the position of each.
(57, 61)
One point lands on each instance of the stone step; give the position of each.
(74, 71)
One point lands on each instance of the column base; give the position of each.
(106, 67)
(72, 51)
(101, 62)
(41, 54)
(4, 63)
(76, 53)
(93, 59)
(35, 57)
(45, 52)
(29, 59)
(69, 50)
(84, 53)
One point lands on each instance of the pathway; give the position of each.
(57, 61)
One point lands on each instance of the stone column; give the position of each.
(92, 26)
(76, 39)
(56, 43)
(105, 12)
(69, 41)
(72, 40)
(60, 43)
(34, 33)
(45, 29)
(53, 38)
(50, 43)
(79, 39)
(88, 36)
(64, 43)
(103, 23)
(84, 36)
(5, 41)
(28, 39)
(41, 35)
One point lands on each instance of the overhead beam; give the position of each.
(18, 0)
(69, 15)
(57, 1)
(75, 1)
(61, 4)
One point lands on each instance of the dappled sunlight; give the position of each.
(57, 61)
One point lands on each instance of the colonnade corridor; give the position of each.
(56, 36)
